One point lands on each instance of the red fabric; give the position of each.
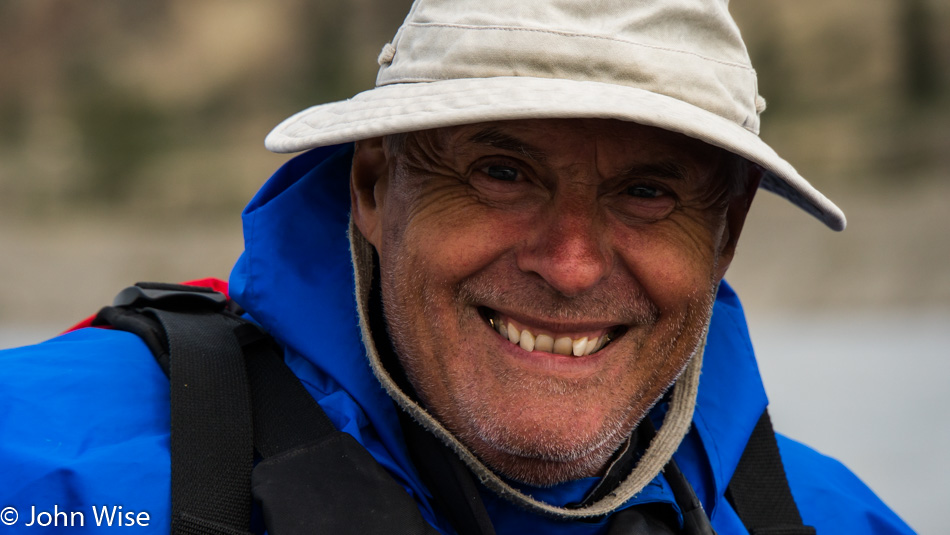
(217, 285)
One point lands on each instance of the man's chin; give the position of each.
(541, 472)
(549, 458)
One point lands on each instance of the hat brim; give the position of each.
(408, 107)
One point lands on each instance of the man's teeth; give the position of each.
(545, 342)
(527, 339)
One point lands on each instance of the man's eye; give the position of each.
(644, 192)
(501, 172)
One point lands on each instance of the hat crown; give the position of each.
(690, 50)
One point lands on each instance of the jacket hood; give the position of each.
(296, 279)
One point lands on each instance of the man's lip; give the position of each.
(576, 339)
(553, 327)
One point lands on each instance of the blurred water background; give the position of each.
(131, 137)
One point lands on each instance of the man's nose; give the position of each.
(568, 247)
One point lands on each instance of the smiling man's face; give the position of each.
(545, 281)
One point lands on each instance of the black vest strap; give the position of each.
(759, 489)
(211, 440)
(211, 428)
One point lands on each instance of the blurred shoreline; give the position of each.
(895, 253)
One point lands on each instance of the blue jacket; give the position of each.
(84, 417)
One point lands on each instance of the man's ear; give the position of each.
(369, 178)
(736, 213)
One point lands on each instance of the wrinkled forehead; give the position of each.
(565, 141)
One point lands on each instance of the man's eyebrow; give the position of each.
(664, 169)
(500, 140)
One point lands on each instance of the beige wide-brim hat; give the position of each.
(679, 65)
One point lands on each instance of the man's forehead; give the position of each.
(542, 140)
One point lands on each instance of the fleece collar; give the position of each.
(295, 277)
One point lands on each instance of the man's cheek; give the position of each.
(669, 272)
(452, 251)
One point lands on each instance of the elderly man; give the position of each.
(543, 199)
